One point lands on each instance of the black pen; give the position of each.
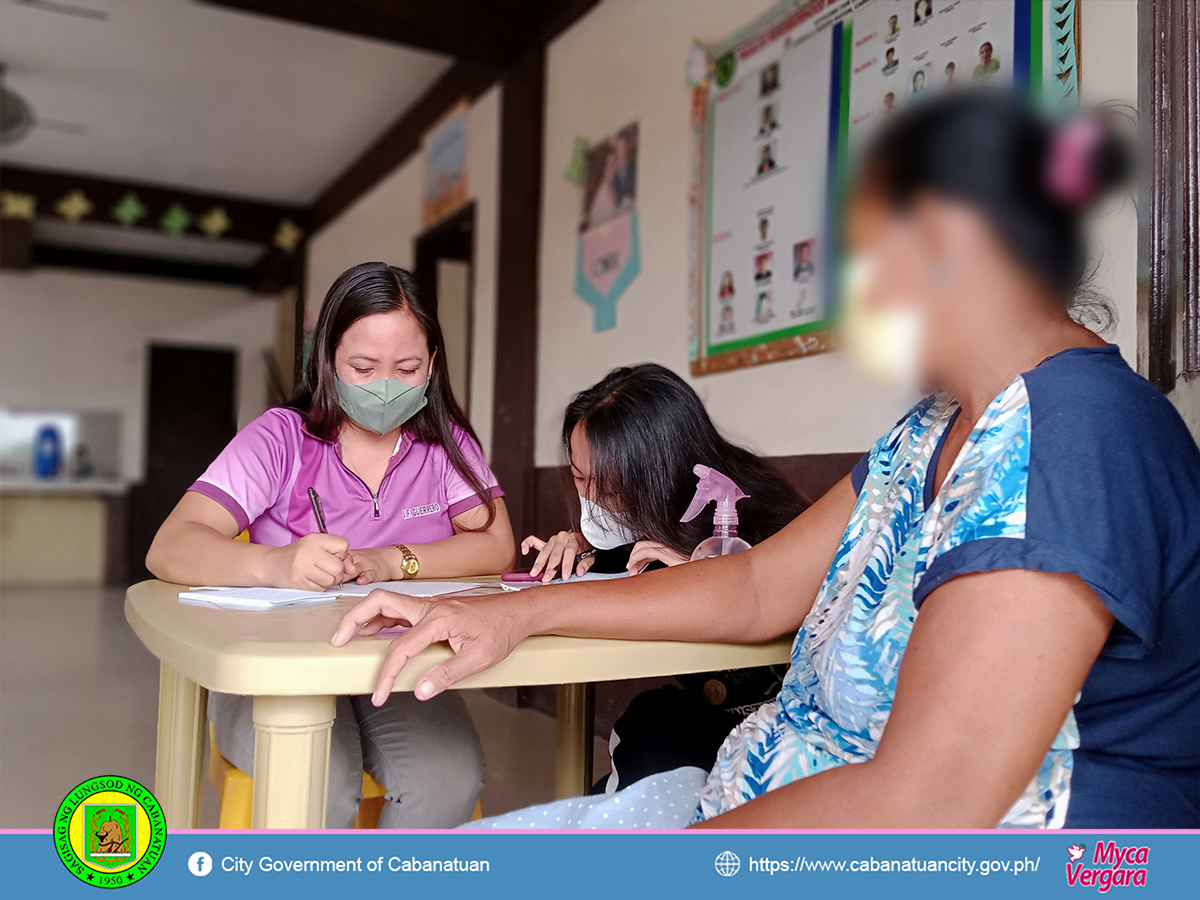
(317, 511)
(315, 500)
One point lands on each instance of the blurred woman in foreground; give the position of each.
(997, 610)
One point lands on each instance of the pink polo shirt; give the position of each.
(262, 478)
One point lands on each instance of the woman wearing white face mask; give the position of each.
(632, 441)
(996, 613)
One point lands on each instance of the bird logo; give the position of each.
(1075, 851)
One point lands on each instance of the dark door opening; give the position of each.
(444, 256)
(191, 414)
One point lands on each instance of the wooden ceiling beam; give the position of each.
(491, 32)
(246, 220)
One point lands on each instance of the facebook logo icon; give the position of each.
(200, 863)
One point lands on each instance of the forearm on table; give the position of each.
(708, 600)
(746, 598)
(193, 553)
(465, 554)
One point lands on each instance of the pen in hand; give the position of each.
(317, 511)
(319, 514)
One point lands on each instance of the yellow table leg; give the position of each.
(291, 761)
(573, 740)
(178, 765)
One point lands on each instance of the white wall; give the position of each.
(383, 223)
(1109, 72)
(78, 341)
(624, 61)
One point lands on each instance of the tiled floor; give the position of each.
(79, 697)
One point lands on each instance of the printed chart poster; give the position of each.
(769, 138)
(775, 127)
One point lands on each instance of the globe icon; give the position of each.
(727, 863)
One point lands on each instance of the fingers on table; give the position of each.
(533, 542)
(378, 604)
(467, 660)
(403, 649)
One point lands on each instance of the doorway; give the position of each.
(444, 256)
(191, 414)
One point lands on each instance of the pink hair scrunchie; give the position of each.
(1069, 173)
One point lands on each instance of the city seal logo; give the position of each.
(110, 831)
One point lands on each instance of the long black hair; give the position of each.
(364, 290)
(990, 148)
(646, 429)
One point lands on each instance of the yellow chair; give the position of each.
(237, 793)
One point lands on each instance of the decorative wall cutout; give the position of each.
(176, 220)
(214, 223)
(1064, 52)
(128, 210)
(73, 206)
(287, 236)
(16, 205)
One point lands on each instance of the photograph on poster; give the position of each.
(989, 63)
(803, 267)
(769, 122)
(610, 178)
(762, 307)
(727, 289)
(762, 266)
(766, 160)
(769, 80)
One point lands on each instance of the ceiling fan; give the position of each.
(17, 117)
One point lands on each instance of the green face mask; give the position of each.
(381, 405)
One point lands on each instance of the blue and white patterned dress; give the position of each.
(838, 694)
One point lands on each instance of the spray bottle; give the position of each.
(715, 486)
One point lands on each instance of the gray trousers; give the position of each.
(424, 753)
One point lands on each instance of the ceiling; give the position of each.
(202, 96)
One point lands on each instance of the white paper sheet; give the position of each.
(589, 576)
(252, 598)
(411, 588)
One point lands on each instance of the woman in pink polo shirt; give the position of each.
(375, 430)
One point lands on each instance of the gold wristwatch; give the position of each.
(411, 565)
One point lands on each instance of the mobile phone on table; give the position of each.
(519, 577)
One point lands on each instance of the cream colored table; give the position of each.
(284, 659)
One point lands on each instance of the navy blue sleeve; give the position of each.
(858, 475)
(1112, 489)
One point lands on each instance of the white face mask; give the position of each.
(884, 342)
(601, 528)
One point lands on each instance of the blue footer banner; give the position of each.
(487, 866)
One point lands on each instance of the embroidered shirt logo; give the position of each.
(415, 512)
